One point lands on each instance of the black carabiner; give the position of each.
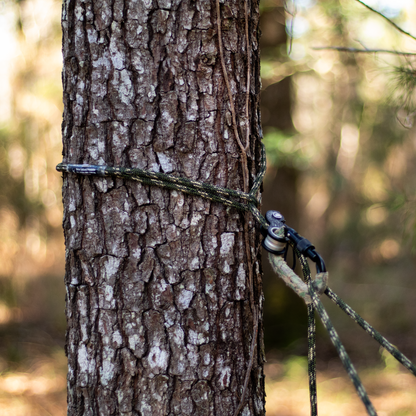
(306, 248)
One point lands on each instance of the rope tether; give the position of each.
(277, 237)
(229, 197)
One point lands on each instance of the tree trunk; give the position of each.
(163, 289)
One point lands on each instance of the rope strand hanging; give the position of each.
(277, 238)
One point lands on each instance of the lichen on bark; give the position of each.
(158, 294)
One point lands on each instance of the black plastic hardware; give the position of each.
(276, 244)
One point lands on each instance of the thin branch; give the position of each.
(254, 308)
(385, 17)
(292, 14)
(252, 350)
(361, 43)
(355, 50)
(248, 48)
(408, 120)
(230, 96)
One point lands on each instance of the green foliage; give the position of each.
(296, 367)
(282, 149)
(404, 87)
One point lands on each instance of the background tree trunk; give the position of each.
(276, 110)
(160, 320)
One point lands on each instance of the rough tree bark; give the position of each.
(163, 289)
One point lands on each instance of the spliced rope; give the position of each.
(249, 202)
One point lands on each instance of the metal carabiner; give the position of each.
(275, 240)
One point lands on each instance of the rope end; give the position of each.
(81, 169)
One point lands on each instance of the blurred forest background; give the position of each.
(341, 145)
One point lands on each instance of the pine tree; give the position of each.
(164, 295)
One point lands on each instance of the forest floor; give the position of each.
(40, 389)
(35, 388)
(392, 390)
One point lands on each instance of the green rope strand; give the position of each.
(229, 197)
(342, 353)
(333, 335)
(312, 360)
(311, 338)
(401, 358)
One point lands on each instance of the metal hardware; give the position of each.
(274, 240)
(278, 234)
(278, 216)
